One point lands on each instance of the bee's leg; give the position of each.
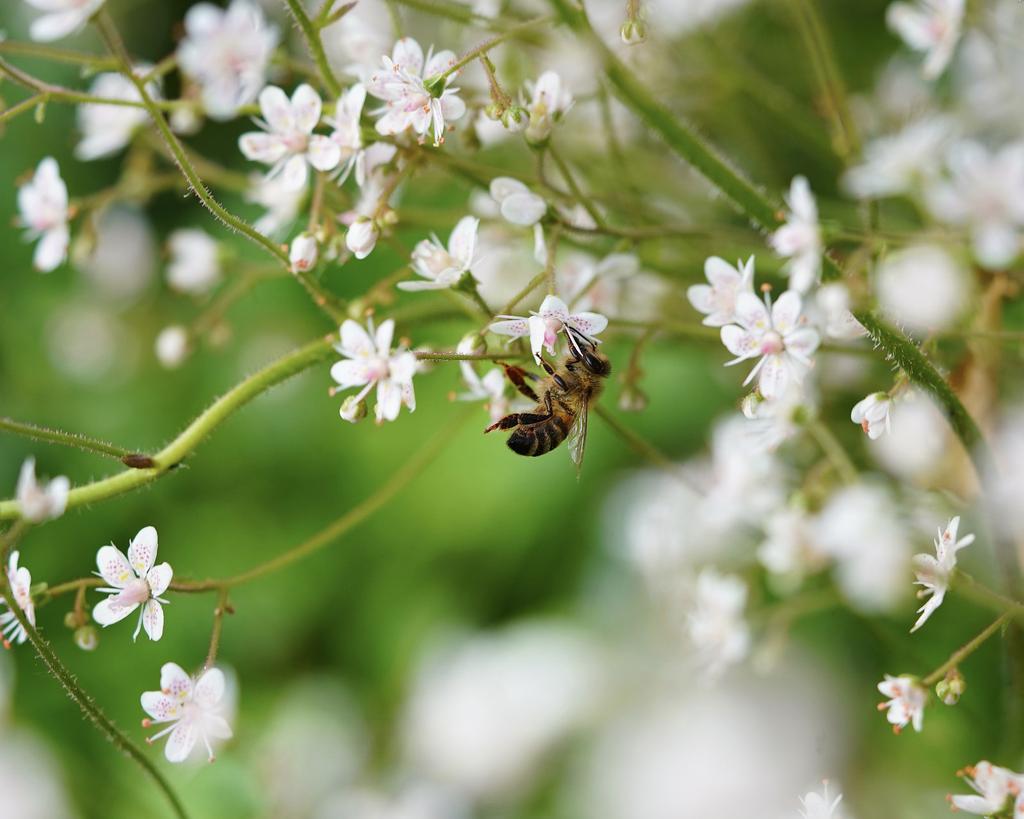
(518, 419)
(547, 366)
(518, 376)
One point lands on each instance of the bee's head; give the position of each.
(585, 351)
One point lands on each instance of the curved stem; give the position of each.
(178, 449)
(89, 707)
(316, 46)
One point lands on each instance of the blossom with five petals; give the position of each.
(106, 129)
(133, 582)
(716, 625)
(544, 326)
(994, 788)
(195, 261)
(444, 267)
(799, 239)
(370, 361)
(933, 573)
(906, 702)
(21, 584)
(62, 17)
(287, 142)
(37, 501)
(717, 299)
(192, 707)
(43, 206)
(549, 101)
(932, 26)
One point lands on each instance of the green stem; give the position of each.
(89, 707)
(72, 439)
(218, 626)
(483, 48)
(834, 451)
(178, 449)
(965, 650)
(316, 46)
(442, 356)
(59, 55)
(26, 104)
(639, 444)
(577, 191)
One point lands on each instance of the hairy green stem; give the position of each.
(316, 46)
(72, 439)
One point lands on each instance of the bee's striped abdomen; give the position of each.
(539, 439)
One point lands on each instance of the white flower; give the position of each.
(549, 100)
(227, 52)
(38, 502)
(348, 134)
(516, 202)
(784, 343)
(906, 702)
(897, 164)
(986, 192)
(995, 789)
(171, 346)
(287, 142)
(443, 268)
(933, 573)
(800, 238)
(872, 413)
(370, 361)
(407, 101)
(833, 305)
(106, 129)
(818, 806)
(62, 17)
(717, 300)
(716, 625)
(282, 203)
(43, 204)
(192, 708)
(544, 326)
(21, 584)
(194, 265)
(133, 582)
(361, 237)
(303, 253)
(789, 547)
(932, 26)
(490, 388)
(923, 287)
(613, 285)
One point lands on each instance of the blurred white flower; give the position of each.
(799, 239)
(442, 267)
(38, 502)
(615, 285)
(106, 129)
(282, 203)
(922, 439)
(716, 626)
(287, 142)
(227, 52)
(789, 548)
(995, 790)
(133, 582)
(415, 800)
(192, 707)
(544, 326)
(172, 346)
(873, 414)
(484, 713)
(902, 162)
(931, 26)
(549, 101)
(906, 702)
(31, 779)
(369, 361)
(819, 806)
(832, 303)
(717, 300)
(922, 287)
(985, 193)
(361, 237)
(774, 333)
(43, 205)
(516, 202)
(21, 584)
(408, 103)
(356, 41)
(61, 18)
(302, 254)
(774, 422)
(1004, 474)
(194, 266)
(933, 573)
(123, 260)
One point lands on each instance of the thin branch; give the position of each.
(72, 439)
(316, 46)
(966, 650)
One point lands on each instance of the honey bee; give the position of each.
(563, 405)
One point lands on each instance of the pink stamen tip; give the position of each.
(147, 722)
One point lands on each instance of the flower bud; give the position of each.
(303, 253)
(514, 118)
(633, 32)
(951, 687)
(87, 638)
(353, 409)
(632, 399)
(362, 237)
(172, 346)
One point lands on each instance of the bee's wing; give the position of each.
(578, 435)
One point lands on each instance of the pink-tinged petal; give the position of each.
(106, 613)
(277, 109)
(523, 208)
(261, 147)
(181, 741)
(786, 312)
(751, 311)
(153, 619)
(403, 367)
(740, 342)
(439, 63)
(538, 335)
(977, 805)
(452, 107)
(802, 343)
(52, 249)
(516, 327)
(114, 567)
(540, 245)
(49, 183)
(389, 400)
(216, 727)
(350, 373)
(393, 122)
(553, 307)
(408, 55)
(928, 608)
(295, 173)
(323, 153)
(306, 108)
(590, 324)
(174, 682)
(699, 295)
(462, 242)
(350, 106)
(774, 376)
(209, 689)
(159, 578)
(160, 707)
(355, 341)
(382, 338)
(142, 551)
(720, 273)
